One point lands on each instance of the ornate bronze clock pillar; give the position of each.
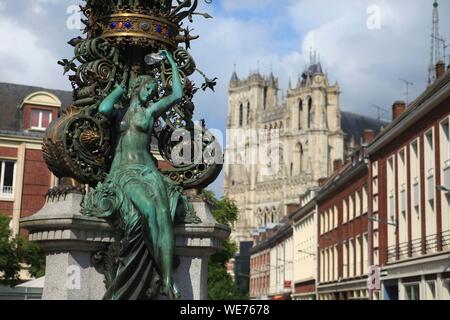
(131, 89)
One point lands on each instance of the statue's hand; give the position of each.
(167, 55)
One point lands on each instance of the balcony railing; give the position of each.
(433, 244)
(7, 192)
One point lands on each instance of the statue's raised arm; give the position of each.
(175, 97)
(107, 105)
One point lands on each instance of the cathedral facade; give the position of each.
(304, 129)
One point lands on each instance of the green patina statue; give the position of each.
(146, 201)
(131, 94)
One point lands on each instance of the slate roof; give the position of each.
(12, 95)
(354, 125)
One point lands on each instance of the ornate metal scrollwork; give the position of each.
(80, 144)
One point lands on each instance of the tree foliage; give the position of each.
(221, 285)
(17, 252)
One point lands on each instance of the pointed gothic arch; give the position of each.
(298, 159)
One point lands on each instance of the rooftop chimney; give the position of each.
(337, 165)
(397, 109)
(440, 69)
(368, 137)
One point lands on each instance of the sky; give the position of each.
(365, 45)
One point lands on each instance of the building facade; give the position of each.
(343, 233)
(410, 174)
(306, 129)
(25, 113)
(304, 221)
(272, 263)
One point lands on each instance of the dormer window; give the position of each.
(40, 119)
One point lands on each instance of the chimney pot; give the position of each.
(337, 165)
(397, 109)
(368, 136)
(440, 69)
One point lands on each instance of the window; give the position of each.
(366, 253)
(351, 260)
(7, 174)
(358, 263)
(445, 138)
(310, 114)
(412, 292)
(430, 191)
(248, 113)
(241, 115)
(445, 174)
(40, 119)
(446, 290)
(351, 208)
(403, 223)
(336, 221)
(346, 263)
(391, 202)
(431, 290)
(365, 208)
(416, 223)
(345, 218)
(358, 203)
(300, 111)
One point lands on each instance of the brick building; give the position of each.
(25, 113)
(271, 263)
(410, 174)
(343, 232)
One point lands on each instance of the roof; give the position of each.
(431, 98)
(35, 283)
(11, 98)
(354, 125)
(234, 76)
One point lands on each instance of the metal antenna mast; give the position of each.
(444, 47)
(380, 112)
(435, 48)
(407, 83)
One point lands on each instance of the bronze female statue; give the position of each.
(137, 195)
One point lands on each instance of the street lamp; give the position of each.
(443, 189)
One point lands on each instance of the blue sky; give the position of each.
(367, 62)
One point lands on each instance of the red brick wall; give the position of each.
(306, 287)
(6, 208)
(8, 152)
(36, 182)
(357, 227)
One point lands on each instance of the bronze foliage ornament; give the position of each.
(120, 36)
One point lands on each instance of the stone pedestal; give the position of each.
(70, 239)
(194, 246)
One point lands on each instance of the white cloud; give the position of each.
(237, 5)
(22, 58)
